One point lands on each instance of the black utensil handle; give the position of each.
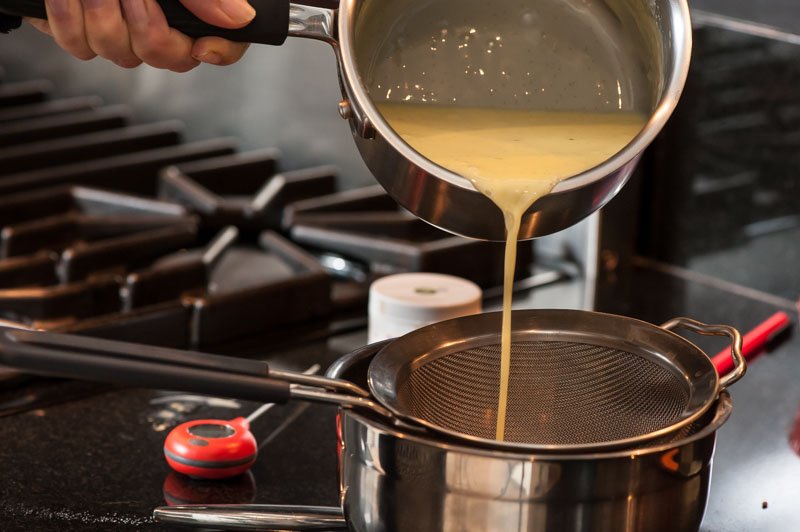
(270, 26)
(9, 22)
(140, 373)
(112, 348)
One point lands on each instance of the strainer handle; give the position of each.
(739, 364)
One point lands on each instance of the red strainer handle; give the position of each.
(739, 364)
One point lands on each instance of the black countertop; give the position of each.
(756, 477)
(97, 463)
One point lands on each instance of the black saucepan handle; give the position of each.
(76, 363)
(270, 26)
(147, 353)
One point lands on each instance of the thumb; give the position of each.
(230, 14)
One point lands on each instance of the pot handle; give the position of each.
(739, 363)
(270, 26)
(79, 364)
(87, 345)
(75, 356)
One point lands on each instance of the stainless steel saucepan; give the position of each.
(394, 481)
(657, 31)
(580, 381)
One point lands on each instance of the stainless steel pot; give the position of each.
(431, 192)
(392, 480)
(396, 481)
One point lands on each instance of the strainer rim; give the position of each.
(393, 362)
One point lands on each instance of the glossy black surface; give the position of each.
(96, 463)
(715, 217)
(722, 183)
(757, 459)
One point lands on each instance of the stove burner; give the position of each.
(76, 148)
(62, 125)
(235, 252)
(49, 108)
(135, 172)
(367, 226)
(24, 93)
(242, 189)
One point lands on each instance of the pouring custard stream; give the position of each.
(513, 157)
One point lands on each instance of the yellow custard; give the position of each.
(513, 157)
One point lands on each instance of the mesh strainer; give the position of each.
(580, 381)
(354, 367)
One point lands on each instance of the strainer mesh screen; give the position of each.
(560, 393)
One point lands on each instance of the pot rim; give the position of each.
(675, 353)
(723, 409)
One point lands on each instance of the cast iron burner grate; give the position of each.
(120, 264)
(121, 230)
(367, 226)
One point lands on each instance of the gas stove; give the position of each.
(85, 456)
(118, 229)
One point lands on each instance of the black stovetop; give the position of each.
(97, 463)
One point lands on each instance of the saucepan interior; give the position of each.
(461, 53)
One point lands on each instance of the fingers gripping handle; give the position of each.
(270, 26)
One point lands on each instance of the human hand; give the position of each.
(132, 32)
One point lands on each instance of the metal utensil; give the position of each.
(441, 197)
(581, 381)
(253, 517)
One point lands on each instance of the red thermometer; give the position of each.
(215, 448)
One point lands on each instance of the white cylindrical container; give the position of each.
(401, 303)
